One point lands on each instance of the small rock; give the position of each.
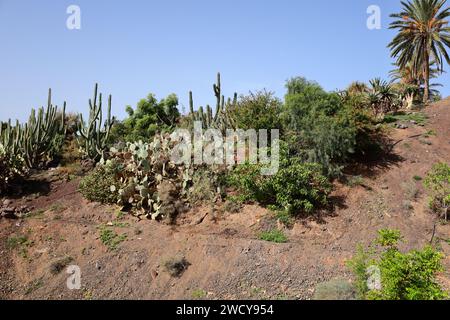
(9, 216)
(97, 266)
(8, 213)
(384, 187)
(7, 202)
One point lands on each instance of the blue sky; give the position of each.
(132, 48)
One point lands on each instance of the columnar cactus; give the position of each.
(94, 134)
(40, 131)
(221, 118)
(33, 140)
(10, 137)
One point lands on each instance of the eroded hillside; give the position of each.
(224, 258)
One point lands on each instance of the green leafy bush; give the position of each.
(300, 187)
(297, 187)
(404, 276)
(260, 110)
(438, 182)
(149, 117)
(275, 235)
(359, 265)
(99, 185)
(326, 128)
(110, 238)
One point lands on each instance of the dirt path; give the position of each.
(225, 259)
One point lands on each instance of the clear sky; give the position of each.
(132, 48)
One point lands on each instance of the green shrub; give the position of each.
(260, 110)
(96, 186)
(274, 235)
(326, 128)
(199, 294)
(358, 265)
(389, 238)
(325, 140)
(337, 289)
(149, 117)
(438, 182)
(297, 187)
(252, 186)
(110, 238)
(404, 276)
(300, 187)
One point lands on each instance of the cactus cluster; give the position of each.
(41, 131)
(220, 118)
(29, 145)
(93, 135)
(144, 167)
(34, 141)
(10, 168)
(10, 137)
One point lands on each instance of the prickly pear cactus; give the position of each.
(145, 167)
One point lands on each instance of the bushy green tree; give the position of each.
(149, 117)
(259, 110)
(297, 187)
(320, 128)
(404, 276)
(438, 182)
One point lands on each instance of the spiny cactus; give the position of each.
(221, 118)
(10, 137)
(94, 134)
(11, 164)
(27, 146)
(40, 131)
(34, 140)
(146, 171)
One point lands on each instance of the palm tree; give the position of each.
(381, 96)
(423, 37)
(412, 82)
(407, 74)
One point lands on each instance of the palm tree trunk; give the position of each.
(426, 93)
